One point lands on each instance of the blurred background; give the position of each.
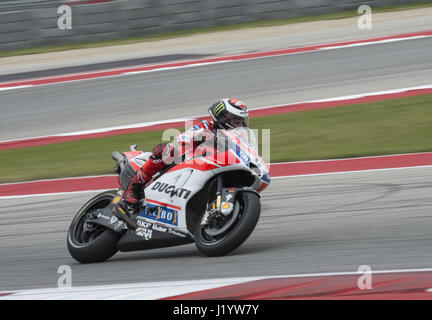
(28, 23)
(310, 223)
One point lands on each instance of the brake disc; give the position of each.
(227, 225)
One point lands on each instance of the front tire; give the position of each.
(98, 244)
(247, 220)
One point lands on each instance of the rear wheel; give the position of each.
(225, 234)
(90, 242)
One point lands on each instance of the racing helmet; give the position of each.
(229, 113)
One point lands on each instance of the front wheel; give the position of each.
(87, 242)
(213, 243)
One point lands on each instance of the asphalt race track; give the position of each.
(169, 94)
(324, 223)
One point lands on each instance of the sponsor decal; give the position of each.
(206, 124)
(144, 224)
(160, 214)
(176, 233)
(117, 223)
(109, 221)
(242, 155)
(171, 190)
(219, 108)
(159, 228)
(144, 230)
(100, 215)
(265, 177)
(145, 233)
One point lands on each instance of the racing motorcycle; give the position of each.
(211, 199)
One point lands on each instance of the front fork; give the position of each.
(224, 203)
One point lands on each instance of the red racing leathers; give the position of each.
(163, 154)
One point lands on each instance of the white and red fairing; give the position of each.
(137, 158)
(170, 193)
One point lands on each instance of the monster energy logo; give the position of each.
(219, 108)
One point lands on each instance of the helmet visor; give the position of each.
(236, 122)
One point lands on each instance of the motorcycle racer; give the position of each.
(227, 113)
(210, 198)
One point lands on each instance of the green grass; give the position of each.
(386, 127)
(183, 33)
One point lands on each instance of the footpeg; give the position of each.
(122, 213)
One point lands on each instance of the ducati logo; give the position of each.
(170, 189)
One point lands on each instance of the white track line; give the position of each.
(15, 88)
(59, 179)
(356, 158)
(159, 290)
(273, 178)
(152, 123)
(345, 172)
(178, 67)
(51, 194)
(107, 129)
(374, 42)
(228, 59)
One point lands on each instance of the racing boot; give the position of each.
(124, 206)
(161, 155)
(132, 192)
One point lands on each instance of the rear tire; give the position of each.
(249, 216)
(99, 245)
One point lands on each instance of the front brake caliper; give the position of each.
(210, 213)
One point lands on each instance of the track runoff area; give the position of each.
(363, 284)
